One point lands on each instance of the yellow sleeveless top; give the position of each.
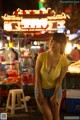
(48, 79)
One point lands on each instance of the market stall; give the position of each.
(24, 27)
(71, 88)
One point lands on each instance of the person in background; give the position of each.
(2, 67)
(75, 55)
(1, 58)
(51, 67)
(13, 54)
(35, 58)
(41, 48)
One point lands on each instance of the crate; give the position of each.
(73, 93)
(73, 105)
(71, 81)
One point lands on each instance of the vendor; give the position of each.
(10, 55)
(13, 54)
(41, 48)
(75, 54)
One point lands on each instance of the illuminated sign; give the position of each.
(35, 20)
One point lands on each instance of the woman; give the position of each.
(51, 67)
(14, 54)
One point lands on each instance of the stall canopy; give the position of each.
(42, 37)
(34, 20)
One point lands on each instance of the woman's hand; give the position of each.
(54, 101)
(40, 99)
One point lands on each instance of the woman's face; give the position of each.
(54, 45)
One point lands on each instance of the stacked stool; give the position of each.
(16, 100)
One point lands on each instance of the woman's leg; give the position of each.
(56, 110)
(45, 110)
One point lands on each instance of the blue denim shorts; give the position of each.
(48, 92)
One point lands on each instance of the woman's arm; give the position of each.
(38, 76)
(59, 80)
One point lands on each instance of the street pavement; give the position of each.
(34, 114)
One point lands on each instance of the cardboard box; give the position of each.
(73, 105)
